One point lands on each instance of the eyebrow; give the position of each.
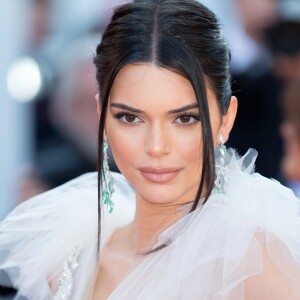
(171, 112)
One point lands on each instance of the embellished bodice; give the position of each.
(65, 281)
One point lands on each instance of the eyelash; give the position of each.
(121, 115)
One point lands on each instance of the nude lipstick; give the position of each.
(159, 175)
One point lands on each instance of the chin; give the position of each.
(166, 195)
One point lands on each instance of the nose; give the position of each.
(157, 141)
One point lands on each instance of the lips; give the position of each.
(159, 175)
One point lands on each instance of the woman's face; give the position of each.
(154, 131)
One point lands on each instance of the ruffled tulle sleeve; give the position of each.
(38, 237)
(229, 247)
(244, 240)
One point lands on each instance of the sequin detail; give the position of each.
(107, 181)
(221, 170)
(64, 284)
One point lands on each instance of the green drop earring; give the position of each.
(107, 181)
(221, 168)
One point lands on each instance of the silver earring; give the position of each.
(107, 181)
(220, 167)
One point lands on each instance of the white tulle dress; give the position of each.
(211, 253)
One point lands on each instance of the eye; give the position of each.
(187, 119)
(127, 118)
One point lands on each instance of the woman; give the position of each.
(196, 223)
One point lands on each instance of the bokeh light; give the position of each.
(24, 80)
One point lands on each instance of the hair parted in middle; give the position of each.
(182, 36)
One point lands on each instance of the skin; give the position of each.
(153, 138)
(158, 138)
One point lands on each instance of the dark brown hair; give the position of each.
(180, 35)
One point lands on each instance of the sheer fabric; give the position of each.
(37, 237)
(212, 253)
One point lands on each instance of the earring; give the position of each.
(220, 167)
(107, 181)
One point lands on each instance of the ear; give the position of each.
(98, 105)
(228, 120)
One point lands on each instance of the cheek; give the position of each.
(188, 148)
(192, 151)
(123, 146)
(126, 146)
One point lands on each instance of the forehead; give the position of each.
(146, 85)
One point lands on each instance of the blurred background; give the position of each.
(48, 129)
(48, 120)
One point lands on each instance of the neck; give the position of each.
(150, 220)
